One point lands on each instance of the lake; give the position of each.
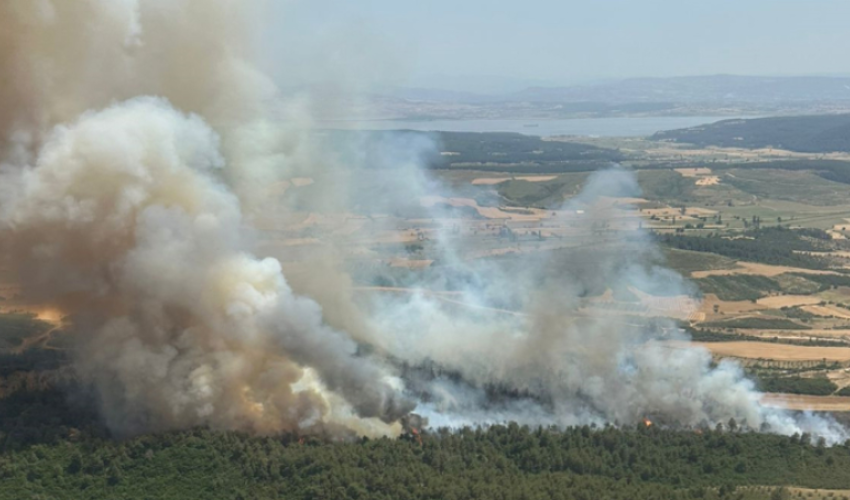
(602, 127)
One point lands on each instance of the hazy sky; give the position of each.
(554, 41)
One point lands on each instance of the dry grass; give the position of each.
(726, 309)
(802, 403)
(828, 311)
(779, 301)
(778, 352)
(675, 212)
(708, 181)
(486, 212)
(758, 269)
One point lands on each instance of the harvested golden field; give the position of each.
(802, 403)
(778, 352)
(759, 269)
(711, 180)
(486, 212)
(838, 312)
(779, 301)
(675, 212)
(726, 308)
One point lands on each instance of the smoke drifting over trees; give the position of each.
(137, 134)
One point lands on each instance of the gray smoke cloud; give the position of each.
(145, 160)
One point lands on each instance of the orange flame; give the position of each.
(416, 433)
(647, 422)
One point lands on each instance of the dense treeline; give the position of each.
(759, 323)
(32, 359)
(773, 245)
(808, 134)
(826, 281)
(505, 148)
(497, 151)
(706, 335)
(52, 445)
(815, 386)
(735, 287)
(494, 463)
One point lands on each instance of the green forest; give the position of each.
(808, 134)
(770, 245)
(499, 462)
(54, 446)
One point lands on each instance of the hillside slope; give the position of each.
(805, 134)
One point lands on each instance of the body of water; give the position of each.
(601, 127)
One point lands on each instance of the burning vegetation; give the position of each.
(137, 147)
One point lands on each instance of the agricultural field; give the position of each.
(719, 208)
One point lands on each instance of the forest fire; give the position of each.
(49, 315)
(647, 422)
(416, 433)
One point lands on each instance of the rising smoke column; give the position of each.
(123, 211)
(189, 329)
(561, 358)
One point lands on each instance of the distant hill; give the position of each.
(689, 89)
(807, 134)
(440, 95)
(685, 89)
(717, 95)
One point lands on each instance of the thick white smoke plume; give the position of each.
(135, 136)
(125, 215)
